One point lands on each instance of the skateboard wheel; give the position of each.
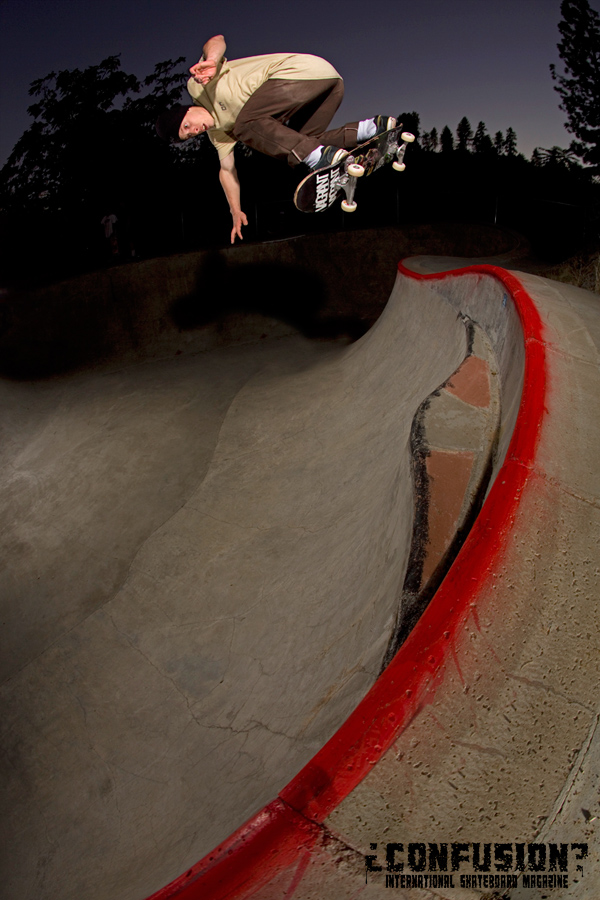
(407, 137)
(348, 205)
(398, 166)
(356, 170)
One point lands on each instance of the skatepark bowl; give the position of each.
(291, 576)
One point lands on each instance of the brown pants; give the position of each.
(287, 119)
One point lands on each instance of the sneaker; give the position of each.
(384, 123)
(329, 157)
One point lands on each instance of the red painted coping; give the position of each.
(282, 831)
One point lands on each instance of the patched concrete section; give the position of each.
(460, 432)
(457, 424)
(455, 447)
(449, 474)
(471, 382)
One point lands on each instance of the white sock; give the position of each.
(366, 130)
(313, 158)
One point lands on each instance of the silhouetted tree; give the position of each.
(430, 140)
(464, 134)
(536, 157)
(71, 120)
(482, 142)
(579, 87)
(510, 142)
(499, 143)
(446, 140)
(555, 156)
(85, 140)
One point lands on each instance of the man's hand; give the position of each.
(204, 71)
(231, 185)
(239, 219)
(212, 53)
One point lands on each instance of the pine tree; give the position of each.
(464, 134)
(446, 140)
(579, 87)
(499, 143)
(482, 142)
(510, 143)
(429, 140)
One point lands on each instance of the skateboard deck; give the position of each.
(320, 189)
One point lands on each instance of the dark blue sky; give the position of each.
(486, 59)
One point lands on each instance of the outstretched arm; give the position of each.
(212, 53)
(231, 185)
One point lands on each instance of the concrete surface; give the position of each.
(499, 742)
(203, 562)
(206, 536)
(508, 747)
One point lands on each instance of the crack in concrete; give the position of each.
(592, 501)
(552, 480)
(547, 689)
(246, 730)
(570, 782)
(161, 673)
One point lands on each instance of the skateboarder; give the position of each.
(279, 104)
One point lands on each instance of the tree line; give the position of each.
(469, 141)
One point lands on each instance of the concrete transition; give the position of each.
(321, 567)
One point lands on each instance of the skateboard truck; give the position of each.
(348, 183)
(407, 138)
(353, 171)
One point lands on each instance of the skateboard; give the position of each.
(319, 190)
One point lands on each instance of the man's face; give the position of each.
(196, 121)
